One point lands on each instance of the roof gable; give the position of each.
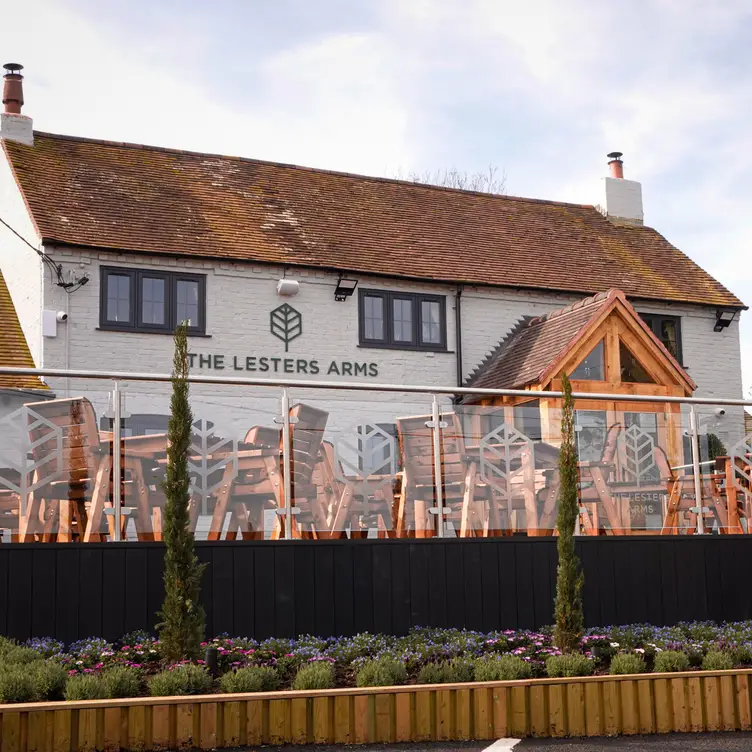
(14, 349)
(540, 349)
(145, 199)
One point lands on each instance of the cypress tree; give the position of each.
(182, 625)
(569, 576)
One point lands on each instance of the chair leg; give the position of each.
(98, 499)
(220, 509)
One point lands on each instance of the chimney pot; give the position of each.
(13, 88)
(616, 165)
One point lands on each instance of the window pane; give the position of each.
(187, 302)
(118, 298)
(373, 317)
(592, 368)
(590, 426)
(152, 300)
(430, 318)
(669, 336)
(402, 319)
(631, 368)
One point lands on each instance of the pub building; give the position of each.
(288, 272)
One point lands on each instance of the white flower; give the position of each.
(639, 650)
(614, 644)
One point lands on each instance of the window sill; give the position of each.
(137, 330)
(405, 348)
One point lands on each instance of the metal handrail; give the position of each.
(363, 386)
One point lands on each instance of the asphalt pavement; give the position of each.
(720, 742)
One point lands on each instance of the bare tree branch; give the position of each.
(491, 181)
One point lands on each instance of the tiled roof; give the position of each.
(531, 351)
(148, 199)
(14, 350)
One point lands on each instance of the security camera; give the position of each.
(61, 316)
(720, 412)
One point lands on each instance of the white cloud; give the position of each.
(331, 103)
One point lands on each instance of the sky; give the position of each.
(540, 89)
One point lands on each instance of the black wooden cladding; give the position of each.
(262, 589)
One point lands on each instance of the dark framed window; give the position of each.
(668, 331)
(148, 301)
(400, 320)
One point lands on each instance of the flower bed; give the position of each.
(42, 669)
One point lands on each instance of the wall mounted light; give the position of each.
(723, 318)
(345, 288)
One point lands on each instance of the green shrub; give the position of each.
(501, 668)
(85, 687)
(183, 679)
(717, 660)
(627, 663)
(16, 684)
(6, 644)
(571, 664)
(742, 654)
(48, 679)
(251, 679)
(121, 681)
(670, 660)
(315, 675)
(381, 672)
(20, 655)
(447, 672)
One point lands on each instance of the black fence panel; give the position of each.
(285, 588)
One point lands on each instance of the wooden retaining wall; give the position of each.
(592, 706)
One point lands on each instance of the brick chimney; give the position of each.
(623, 197)
(13, 125)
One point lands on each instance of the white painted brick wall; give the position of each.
(241, 297)
(21, 266)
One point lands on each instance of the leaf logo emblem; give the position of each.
(286, 324)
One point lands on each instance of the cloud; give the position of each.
(315, 102)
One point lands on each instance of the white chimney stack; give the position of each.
(623, 197)
(13, 125)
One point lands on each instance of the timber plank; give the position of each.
(424, 716)
(61, 730)
(184, 725)
(712, 695)
(538, 708)
(557, 710)
(629, 709)
(403, 712)
(645, 707)
(742, 693)
(611, 708)
(679, 704)
(593, 709)
(663, 714)
(299, 711)
(463, 715)
(254, 722)
(323, 720)
(695, 704)
(576, 709)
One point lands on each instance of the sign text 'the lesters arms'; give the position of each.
(279, 365)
